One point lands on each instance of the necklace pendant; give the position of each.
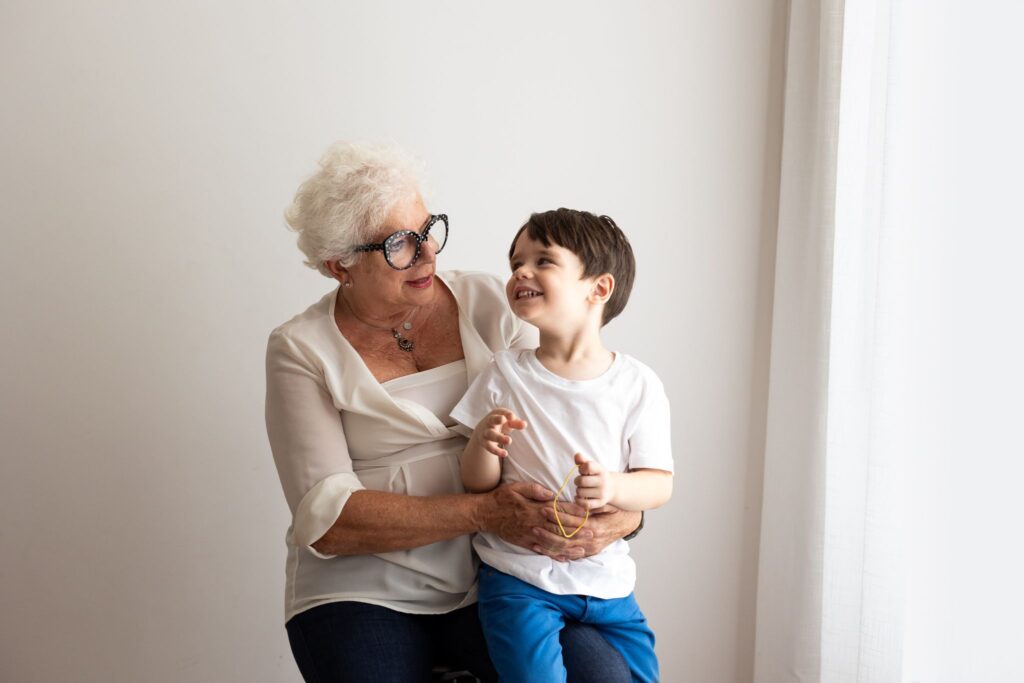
(404, 344)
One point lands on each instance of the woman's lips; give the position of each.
(422, 283)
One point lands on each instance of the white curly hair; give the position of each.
(346, 201)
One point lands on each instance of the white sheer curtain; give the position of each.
(791, 559)
(892, 511)
(829, 579)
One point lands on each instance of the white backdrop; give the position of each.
(148, 150)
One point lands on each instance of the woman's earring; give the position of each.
(348, 283)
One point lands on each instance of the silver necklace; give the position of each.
(404, 343)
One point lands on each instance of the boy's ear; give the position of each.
(602, 289)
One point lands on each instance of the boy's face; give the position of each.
(547, 288)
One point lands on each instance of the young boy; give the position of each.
(573, 404)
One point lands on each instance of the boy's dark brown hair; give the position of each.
(596, 240)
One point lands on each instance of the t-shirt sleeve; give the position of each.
(650, 442)
(483, 395)
(524, 335)
(308, 442)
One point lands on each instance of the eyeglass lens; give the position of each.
(401, 247)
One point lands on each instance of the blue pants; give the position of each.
(521, 623)
(359, 642)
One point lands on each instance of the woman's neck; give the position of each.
(348, 309)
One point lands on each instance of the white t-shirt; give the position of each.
(620, 419)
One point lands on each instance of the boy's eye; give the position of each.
(515, 265)
(543, 259)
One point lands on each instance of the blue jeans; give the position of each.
(354, 641)
(521, 623)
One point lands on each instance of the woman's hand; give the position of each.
(518, 515)
(521, 514)
(604, 526)
(515, 510)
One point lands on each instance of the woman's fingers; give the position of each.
(556, 547)
(566, 510)
(526, 512)
(583, 534)
(533, 491)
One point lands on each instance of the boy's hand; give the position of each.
(595, 487)
(493, 431)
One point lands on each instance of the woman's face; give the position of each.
(379, 289)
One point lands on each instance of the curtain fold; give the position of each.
(791, 556)
(828, 605)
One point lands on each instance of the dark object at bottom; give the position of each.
(445, 674)
(354, 641)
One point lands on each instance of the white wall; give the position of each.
(148, 150)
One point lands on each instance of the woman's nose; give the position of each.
(428, 250)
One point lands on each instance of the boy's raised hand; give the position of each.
(493, 431)
(594, 487)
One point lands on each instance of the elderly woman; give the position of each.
(381, 577)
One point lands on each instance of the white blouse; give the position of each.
(335, 429)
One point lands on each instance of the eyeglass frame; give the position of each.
(420, 238)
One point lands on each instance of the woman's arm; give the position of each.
(378, 522)
(520, 513)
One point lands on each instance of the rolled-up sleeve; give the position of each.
(307, 440)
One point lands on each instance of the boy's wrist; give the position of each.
(475, 445)
(614, 485)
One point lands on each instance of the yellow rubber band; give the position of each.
(554, 506)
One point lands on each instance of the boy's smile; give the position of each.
(524, 291)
